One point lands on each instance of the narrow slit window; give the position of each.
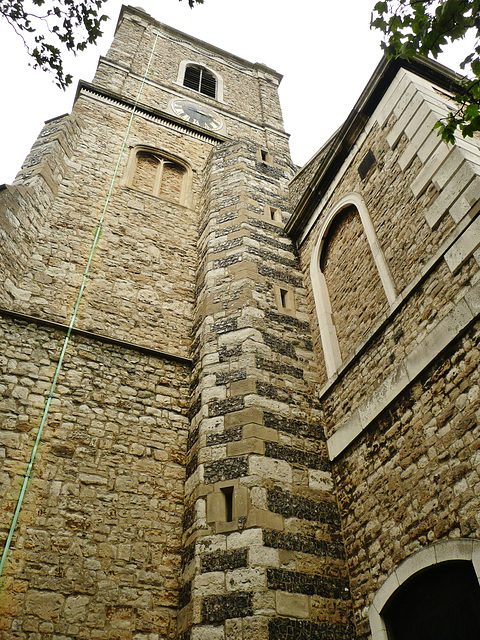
(264, 155)
(228, 496)
(284, 298)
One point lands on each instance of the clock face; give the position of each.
(197, 114)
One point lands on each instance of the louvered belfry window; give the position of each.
(201, 80)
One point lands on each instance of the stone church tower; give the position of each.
(239, 401)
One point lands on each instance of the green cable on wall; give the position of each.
(96, 239)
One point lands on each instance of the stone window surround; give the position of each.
(189, 63)
(460, 549)
(186, 193)
(457, 320)
(216, 507)
(331, 349)
(273, 214)
(287, 294)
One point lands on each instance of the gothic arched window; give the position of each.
(351, 281)
(153, 173)
(201, 80)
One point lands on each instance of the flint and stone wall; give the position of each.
(401, 412)
(276, 567)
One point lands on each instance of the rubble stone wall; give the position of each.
(96, 551)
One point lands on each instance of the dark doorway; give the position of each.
(439, 603)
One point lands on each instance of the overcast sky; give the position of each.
(325, 51)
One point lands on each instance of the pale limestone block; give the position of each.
(292, 605)
(467, 203)
(194, 480)
(444, 332)
(383, 395)
(208, 633)
(344, 434)
(207, 584)
(409, 112)
(263, 557)
(233, 629)
(430, 144)
(404, 100)
(226, 339)
(464, 246)
(415, 563)
(245, 579)
(76, 608)
(210, 379)
(421, 127)
(270, 468)
(272, 406)
(472, 298)
(210, 358)
(388, 101)
(320, 480)
(212, 543)
(208, 454)
(248, 538)
(448, 169)
(214, 393)
(90, 478)
(377, 626)
(258, 496)
(450, 193)
(420, 183)
(387, 589)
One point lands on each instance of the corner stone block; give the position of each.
(292, 605)
(208, 633)
(252, 415)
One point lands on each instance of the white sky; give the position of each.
(325, 51)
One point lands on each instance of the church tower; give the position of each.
(165, 473)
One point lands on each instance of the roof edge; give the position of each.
(343, 140)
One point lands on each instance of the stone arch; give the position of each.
(330, 342)
(448, 550)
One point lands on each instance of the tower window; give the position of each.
(201, 80)
(158, 176)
